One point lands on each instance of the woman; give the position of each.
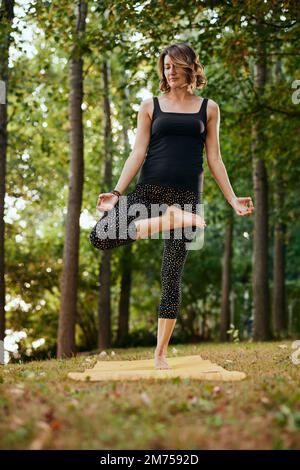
(173, 129)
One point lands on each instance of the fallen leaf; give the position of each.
(55, 425)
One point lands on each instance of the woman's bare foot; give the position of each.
(180, 218)
(173, 218)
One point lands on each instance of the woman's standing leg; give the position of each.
(165, 329)
(173, 260)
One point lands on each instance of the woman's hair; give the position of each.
(182, 55)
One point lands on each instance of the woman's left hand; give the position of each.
(242, 205)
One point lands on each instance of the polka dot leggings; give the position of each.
(116, 228)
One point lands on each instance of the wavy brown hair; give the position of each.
(182, 55)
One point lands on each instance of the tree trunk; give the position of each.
(126, 270)
(260, 181)
(225, 305)
(126, 265)
(104, 311)
(279, 307)
(6, 19)
(279, 314)
(67, 318)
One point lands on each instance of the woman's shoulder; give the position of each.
(148, 100)
(147, 105)
(212, 104)
(213, 109)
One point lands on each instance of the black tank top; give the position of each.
(175, 152)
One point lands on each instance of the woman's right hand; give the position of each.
(240, 205)
(106, 201)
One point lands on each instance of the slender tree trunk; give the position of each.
(104, 311)
(279, 306)
(225, 305)
(67, 318)
(125, 265)
(279, 314)
(126, 270)
(260, 181)
(6, 19)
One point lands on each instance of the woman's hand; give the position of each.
(106, 201)
(242, 205)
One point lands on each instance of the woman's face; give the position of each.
(175, 75)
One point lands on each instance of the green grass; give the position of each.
(40, 408)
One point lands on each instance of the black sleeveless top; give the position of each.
(175, 152)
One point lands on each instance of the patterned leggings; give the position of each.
(120, 220)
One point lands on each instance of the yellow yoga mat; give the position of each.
(193, 367)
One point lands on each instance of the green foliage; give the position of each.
(234, 333)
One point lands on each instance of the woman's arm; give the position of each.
(212, 150)
(137, 155)
(215, 162)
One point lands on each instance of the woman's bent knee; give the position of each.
(99, 243)
(108, 243)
